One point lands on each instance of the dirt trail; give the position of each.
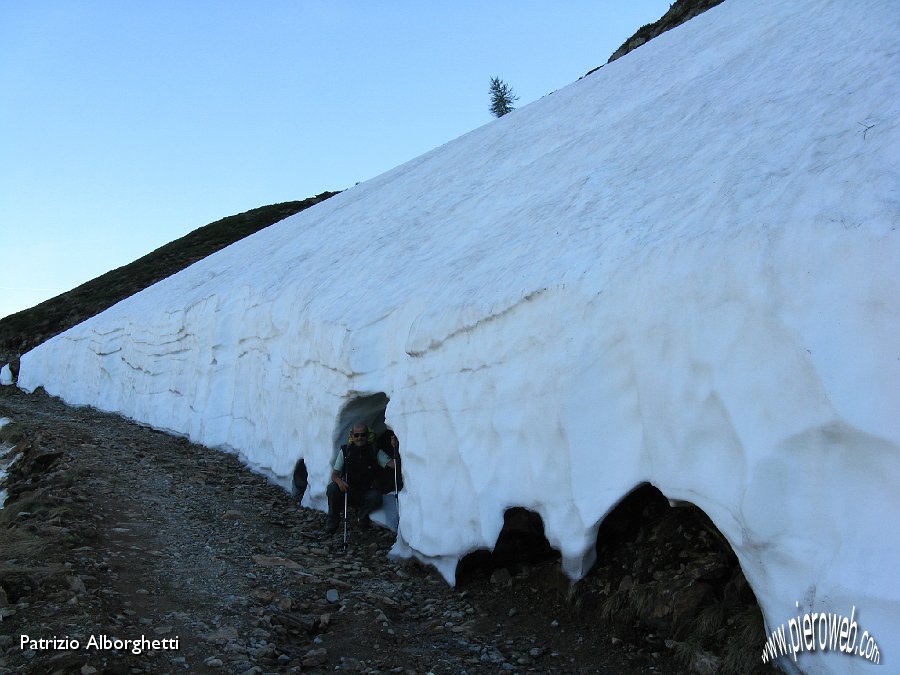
(113, 529)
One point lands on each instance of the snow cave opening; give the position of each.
(520, 545)
(370, 410)
(664, 569)
(664, 575)
(366, 409)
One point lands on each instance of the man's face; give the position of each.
(359, 436)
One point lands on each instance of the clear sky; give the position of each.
(125, 125)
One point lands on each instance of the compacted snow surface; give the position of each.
(681, 269)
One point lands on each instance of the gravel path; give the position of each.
(114, 531)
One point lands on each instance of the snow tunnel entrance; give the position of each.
(366, 409)
(520, 545)
(370, 410)
(667, 572)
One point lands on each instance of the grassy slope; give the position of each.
(24, 330)
(679, 12)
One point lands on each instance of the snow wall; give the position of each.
(681, 269)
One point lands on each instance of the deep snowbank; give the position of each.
(682, 269)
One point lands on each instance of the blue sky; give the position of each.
(124, 126)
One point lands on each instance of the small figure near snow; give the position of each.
(301, 479)
(354, 479)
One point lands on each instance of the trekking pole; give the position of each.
(397, 492)
(346, 496)
(345, 520)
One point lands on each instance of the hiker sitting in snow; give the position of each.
(355, 473)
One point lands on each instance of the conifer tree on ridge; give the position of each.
(502, 97)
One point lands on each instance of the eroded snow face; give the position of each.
(680, 270)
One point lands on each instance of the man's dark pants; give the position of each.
(364, 501)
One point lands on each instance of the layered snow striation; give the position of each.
(682, 270)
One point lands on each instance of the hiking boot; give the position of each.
(364, 522)
(331, 526)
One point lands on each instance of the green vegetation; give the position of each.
(502, 97)
(24, 330)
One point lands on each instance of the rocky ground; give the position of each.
(113, 529)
